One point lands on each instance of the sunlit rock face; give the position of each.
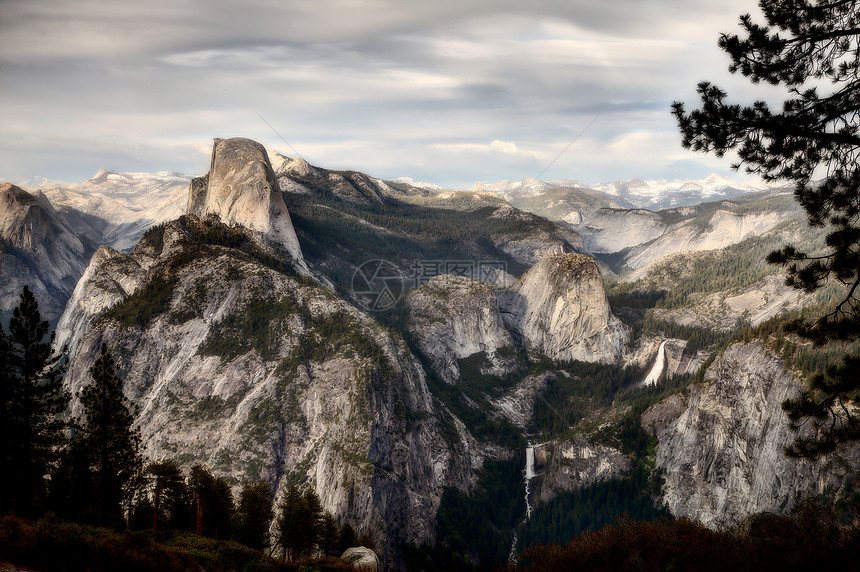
(241, 189)
(39, 249)
(721, 448)
(454, 317)
(559, 309)
(260, 373)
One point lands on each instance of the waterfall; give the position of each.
(659, 366)
(530, 464)
(528, 475)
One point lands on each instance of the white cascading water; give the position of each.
(528, 475)
(654, 375)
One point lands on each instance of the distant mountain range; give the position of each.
(634, 193)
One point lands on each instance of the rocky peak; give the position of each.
(283, 165)
(559, 308)
(241, 189)
(25, 219)
(37, 249)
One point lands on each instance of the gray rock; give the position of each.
(241, 189)
(361, 558)
(454, 317)
(723, 455)
(559, 308)
(40, 249)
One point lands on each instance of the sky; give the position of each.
(447, 91)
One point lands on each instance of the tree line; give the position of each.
(90, 469)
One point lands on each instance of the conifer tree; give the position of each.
(33, 402)
(111, 441)
(168, 495)
(212, 502)
(812, 49)
(289, 510)
(329, 536)
(254, 514)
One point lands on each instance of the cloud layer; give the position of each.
(448, 91)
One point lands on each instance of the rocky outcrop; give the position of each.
(361, 559)
(568, 465)
(559, 308)
(724, 229)
(541, 240)
(453, 317)
(263, 374)
(241, 189)
(723, 454)
(39, 249)
(612, 230)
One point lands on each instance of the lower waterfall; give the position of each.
(528, 475)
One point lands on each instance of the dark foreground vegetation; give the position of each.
(808, 539)
(50, 544)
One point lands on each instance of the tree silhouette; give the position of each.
(254, 514)
(812, 48)
(110, 440)
(33, 402)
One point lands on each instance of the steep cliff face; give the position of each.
(454, 317)
(39, 249)
(239, 363)
(559, 309)
(722, 447)
(241, 189)
(612, 230)
(567, 465)
(723, 229)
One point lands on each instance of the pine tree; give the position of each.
(254, 514)
(112, 443)
(168, 496)
(288, 521)
(310, 518)
(213, 502)
(808, 47)
(32, 409)
(329, 536)
(347, 538)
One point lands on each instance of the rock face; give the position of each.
(559, 309)
(723, 455)
(39, 249)
(361, 558)
(612, 230)
(263, 374)
(724, 229)
(241, 189)
(569, 465)
(454, 317)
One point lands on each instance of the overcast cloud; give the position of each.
(447, 91)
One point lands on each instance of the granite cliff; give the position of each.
(559, 309)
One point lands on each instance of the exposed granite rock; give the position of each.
(517, 404)
(559, 309)
(39, 249)
(454, 317)
(241, 189)
(361, 558)
(569, 465)
(315, 390)
(723, 455)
